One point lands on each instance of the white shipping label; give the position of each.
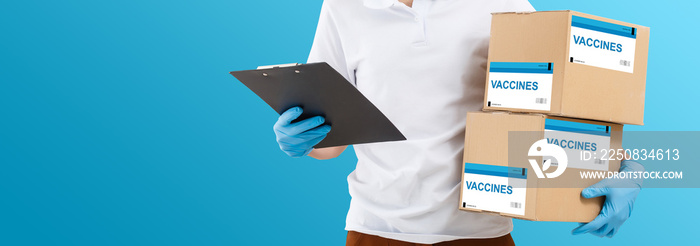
(585, 144)
(493, 188)
(602, 44)
(520, 85)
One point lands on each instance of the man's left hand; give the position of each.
(619, 201)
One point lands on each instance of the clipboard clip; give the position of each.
(279, 66)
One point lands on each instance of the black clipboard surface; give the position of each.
(320, 90)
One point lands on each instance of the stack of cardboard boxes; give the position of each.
(569, 79)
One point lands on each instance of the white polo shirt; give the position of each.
(424, 68)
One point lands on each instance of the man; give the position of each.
(422, 63)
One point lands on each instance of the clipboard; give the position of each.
(320, 90)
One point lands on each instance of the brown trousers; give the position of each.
(361, 239)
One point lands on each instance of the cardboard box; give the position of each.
(499, 178)
(567, 63)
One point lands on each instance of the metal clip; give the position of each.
(279, 66)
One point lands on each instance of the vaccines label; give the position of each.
(602, 44)
(584, 144)
(494, 188)
(521, 85)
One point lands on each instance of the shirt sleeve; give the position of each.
(519, 6)
(327, 46)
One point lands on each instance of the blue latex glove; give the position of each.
(619, 201)
(298, 139)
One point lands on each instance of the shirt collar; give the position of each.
(378, 4)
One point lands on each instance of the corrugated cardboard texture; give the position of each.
(485, 143)
(578, 90)
(604, 94)
(567, 204)
(537, 38)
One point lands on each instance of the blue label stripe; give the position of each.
(602, 26)
(521, 67)
(514, 70)
(493, 170)
(577, 127)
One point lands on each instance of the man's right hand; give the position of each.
(298, 139)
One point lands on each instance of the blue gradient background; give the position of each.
(119, 125)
